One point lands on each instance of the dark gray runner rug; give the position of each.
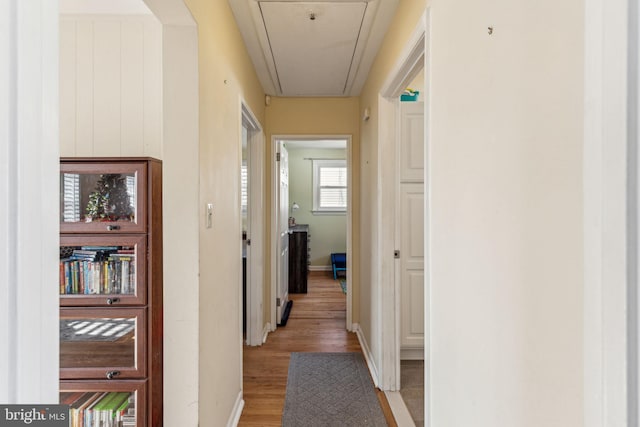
(330, 390)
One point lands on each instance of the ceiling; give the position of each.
(318, 48)
(321, 48)
(111, 7)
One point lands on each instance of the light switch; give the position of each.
(209, 214)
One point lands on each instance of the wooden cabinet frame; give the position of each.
(145, 378)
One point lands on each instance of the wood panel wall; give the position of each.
(110, 85)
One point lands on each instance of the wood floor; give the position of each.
(316, 324)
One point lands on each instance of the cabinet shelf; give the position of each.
(86, 398)
(103, 270)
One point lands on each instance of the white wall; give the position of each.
(110, 85)
(181, 220)
(29, 201)
(506, 205)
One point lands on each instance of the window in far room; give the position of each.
(329, 186)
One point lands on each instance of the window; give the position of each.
(244, 188)
(329, 186)
(71, 197)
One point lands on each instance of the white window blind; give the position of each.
(71, 197)
(244, 186)
(330, 185)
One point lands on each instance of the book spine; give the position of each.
(61, 278)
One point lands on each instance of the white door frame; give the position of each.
(29, 197)
(255, 237)
(610, 206)
(413, 59)
(274, 232)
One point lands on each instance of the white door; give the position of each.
(412, 267)
(283, 231)
(410, 230)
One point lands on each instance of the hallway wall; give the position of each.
(505, 182)
(226, 76)
(506, 192)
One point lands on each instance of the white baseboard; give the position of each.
(265, 332)
(399, 409)
(234, 419)
(320, 268)
(412, 354)
(368, 356)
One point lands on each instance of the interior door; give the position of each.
(410, 232)
(283, 231)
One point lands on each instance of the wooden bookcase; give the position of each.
(110, 281)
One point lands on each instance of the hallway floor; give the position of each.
(412, 391)
(316, 324)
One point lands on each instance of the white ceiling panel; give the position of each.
(312, 44)
(330, 55)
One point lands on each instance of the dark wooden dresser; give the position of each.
(298, 258)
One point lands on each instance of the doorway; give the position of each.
(413, 61)
(251, 208)
(309, 153)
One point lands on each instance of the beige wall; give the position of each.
(226, 76)
(110, 85)
(328, 233)
(506, 209)
(315, 116)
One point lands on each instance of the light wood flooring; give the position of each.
(316, 324)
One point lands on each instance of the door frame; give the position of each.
(255, 251)
(610, 213)
(274, 234)
(276, 249)
(413, 59)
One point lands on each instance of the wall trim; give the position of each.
(607, 218)
(399, 409)
(265, 332)
(255, 256)
(234, 419)
(366, 351)
(320, 268)
(411, 353)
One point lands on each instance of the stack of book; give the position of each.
(100, 409)
(94, 270)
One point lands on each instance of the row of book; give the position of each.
(100, 409)
(104, 270)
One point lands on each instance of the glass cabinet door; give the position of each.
(102, 270)
(111, 404)
(102, 343)
(102, 198)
